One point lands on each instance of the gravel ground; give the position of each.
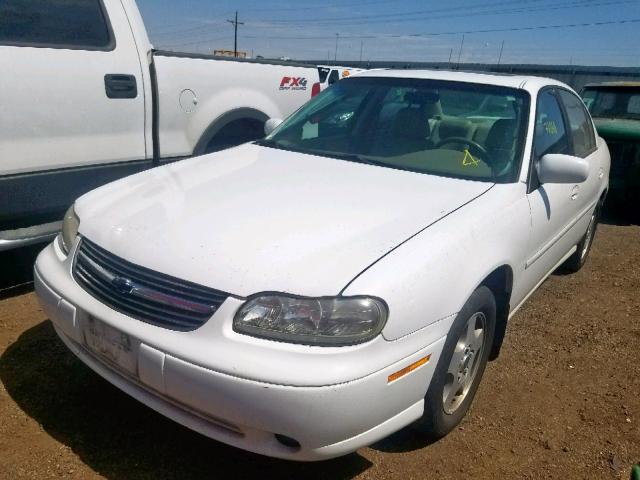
(562, 401)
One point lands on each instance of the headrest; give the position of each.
(454, 127)
(502, 134)
(411, 123)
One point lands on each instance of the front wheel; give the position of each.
(461, 365)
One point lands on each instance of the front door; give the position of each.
(553, 205)
(72, 100)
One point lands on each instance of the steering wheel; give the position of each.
(474, 147)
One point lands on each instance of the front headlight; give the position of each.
(70, 227)
(335, 321)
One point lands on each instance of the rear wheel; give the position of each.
(461, 365)
(576, 261)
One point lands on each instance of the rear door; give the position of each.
(72, 104)
(584, 146)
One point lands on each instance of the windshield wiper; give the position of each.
(266, 142)
(352, 157)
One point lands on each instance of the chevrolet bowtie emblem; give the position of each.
(122, 285)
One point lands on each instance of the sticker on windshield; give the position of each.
(468, 160)
(551, 128)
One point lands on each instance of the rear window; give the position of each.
(54, 23)
(622, 102)
(324, 72)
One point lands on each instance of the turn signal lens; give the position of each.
(70, 226)
(406, 370)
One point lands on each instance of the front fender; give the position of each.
(431, 276)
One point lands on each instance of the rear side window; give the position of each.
(550, 133)
(584, 141)
(54, 23)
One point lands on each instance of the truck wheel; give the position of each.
(236, 133)
(576, 261)
(461, 365)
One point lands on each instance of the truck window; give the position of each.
(334, 77)
(323, 72)
(77, 24)
(584, 140)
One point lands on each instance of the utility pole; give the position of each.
(460, 52)
(235, 24)
(335, 56)
(501, 49)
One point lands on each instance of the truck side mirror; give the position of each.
(558, 168)
(271, 124)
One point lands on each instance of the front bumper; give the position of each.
(233, 406)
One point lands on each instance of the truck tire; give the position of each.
(236, 133)
(461, 365)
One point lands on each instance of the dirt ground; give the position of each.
(562, 401)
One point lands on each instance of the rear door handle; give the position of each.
(121, 86)
(575, 192)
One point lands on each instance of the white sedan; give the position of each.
(351, 274)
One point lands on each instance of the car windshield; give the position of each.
(622, 102)
(445, 128)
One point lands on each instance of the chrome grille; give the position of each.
(141, 293)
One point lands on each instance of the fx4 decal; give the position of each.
(293, 83)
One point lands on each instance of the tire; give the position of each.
(236, 133)
(441, 414)
(576, 261)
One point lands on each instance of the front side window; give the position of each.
(613, 102)
(54, 23)
(452, 129)
(550, 132)
(582, 134)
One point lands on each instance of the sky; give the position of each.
(578, 32)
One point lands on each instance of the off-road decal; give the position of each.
(293, 83)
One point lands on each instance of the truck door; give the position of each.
(72, 101)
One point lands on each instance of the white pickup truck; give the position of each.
(86, 99)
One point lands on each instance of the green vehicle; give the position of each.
(615, 108)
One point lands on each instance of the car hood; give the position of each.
(253, 219)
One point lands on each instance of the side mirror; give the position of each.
(558, 168)
(271, 124)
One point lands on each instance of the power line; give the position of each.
(462, 32)
(317, 7)
(421, 16)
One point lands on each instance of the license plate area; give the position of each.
(110, 344)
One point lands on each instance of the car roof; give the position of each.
(529, 83)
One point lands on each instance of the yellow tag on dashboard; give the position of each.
(468, 160)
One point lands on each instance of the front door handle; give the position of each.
(121, 86)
